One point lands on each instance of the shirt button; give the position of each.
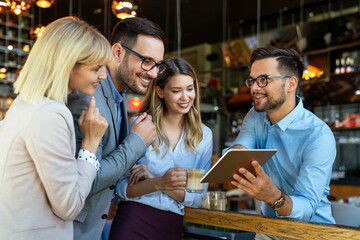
(104, 216)
(112, 187)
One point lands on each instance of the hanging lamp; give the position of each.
(36, 31)
(19, 6)
(3, 6)
(44, 3)
(123, 9)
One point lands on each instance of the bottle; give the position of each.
(342, 68)
(337, 120)
(348, 68)
(357, 120)
(337, 69)
(352, 63)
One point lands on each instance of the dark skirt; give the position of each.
(138, 221)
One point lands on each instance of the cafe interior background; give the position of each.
(217, 38)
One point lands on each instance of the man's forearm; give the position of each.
(118, 162)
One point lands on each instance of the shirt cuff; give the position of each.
(120, 189)
(188, 199)
(301, 209)
(89, 157)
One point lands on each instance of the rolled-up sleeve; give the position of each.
(120, 189)
(313, 181)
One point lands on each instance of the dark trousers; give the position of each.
(137, 221)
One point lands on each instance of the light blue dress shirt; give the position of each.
(302, 166)
(118, 98)
(158, 165)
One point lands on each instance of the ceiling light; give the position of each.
(36, 31)
(19, 6)
(44, 3)
(3, 6)
(123, 9)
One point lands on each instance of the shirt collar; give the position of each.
(117, 96)
(284, 123)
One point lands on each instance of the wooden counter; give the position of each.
(340, 191)
(274, 226)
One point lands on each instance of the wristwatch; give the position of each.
(279, 203)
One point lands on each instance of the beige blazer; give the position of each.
(42, 186)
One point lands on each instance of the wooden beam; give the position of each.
(283, 227)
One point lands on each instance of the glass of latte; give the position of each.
(194, 176)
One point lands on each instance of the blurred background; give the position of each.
(217, 37)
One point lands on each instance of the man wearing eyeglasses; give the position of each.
(295, 181)
(138, 51)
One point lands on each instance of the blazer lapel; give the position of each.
(110, 102)
(124, 121)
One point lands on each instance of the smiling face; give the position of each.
(178, 94)
(130, 73)
(273, 96)
(85, 78)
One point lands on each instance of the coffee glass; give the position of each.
(194, 176)
(218, 201)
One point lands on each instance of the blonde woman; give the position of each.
(153, 193)
(42, 186)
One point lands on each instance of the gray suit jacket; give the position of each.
(116, 156)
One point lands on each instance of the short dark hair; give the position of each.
(289, 60)
(126, 31)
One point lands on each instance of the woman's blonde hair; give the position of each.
(156, 106)
(65, 43)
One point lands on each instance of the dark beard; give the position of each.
(273, 104)
(125, 77)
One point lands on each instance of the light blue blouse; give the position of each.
(302, 166)
(158, 165)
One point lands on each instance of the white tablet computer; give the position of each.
(232, 160)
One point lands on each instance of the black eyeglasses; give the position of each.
(147, 63)
(261, 81)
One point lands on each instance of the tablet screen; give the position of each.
(224, 169)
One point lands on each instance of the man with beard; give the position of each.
(138, 51)
(295, 181)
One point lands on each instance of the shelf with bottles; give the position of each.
(233, 125)
(339, 82)
(340, 62)
(340, 129)
(15, 43)
(7, 96)
(22, 40)
(23, 20)
(350, 122)
(347, 150)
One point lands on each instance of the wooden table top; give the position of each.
(284, 227)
